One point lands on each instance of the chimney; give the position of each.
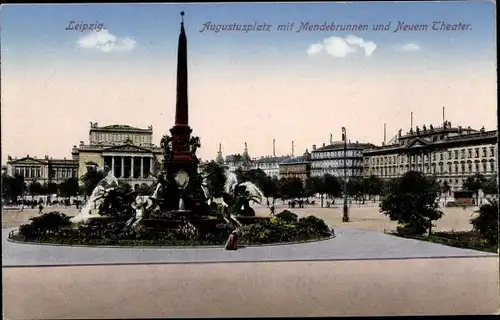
(292, 147)
(331, 138)
(411, 120)
(274, 147)
(314, 147)
(385, 133)
(324, 144)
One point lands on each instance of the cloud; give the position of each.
(106, 42)
(409, 47)
(341, 47)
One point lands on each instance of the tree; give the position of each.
(69, 188)
(486, 223)
(90, 180)
(356, 188)
(35, 188)
(12, 187)
(268, 188)
(319, 187)
(216, 179)
(373, 185)
(332, 185)
(474, 183)
(490, 186)
(292, 188)
(411, 201)
(445, 189)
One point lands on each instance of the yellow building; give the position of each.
(449, 153)
(127, 151)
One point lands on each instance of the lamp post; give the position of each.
(345, 216)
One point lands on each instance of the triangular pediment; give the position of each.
(27, 160)
(416, 143)
(127, 148)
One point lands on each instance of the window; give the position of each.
(463, 167)
(492, 151)
(456, 154)
(463, 153)
(477, 166)
(485, 167)
(477, 152)
(492, 166)
(441, 156)
(484, 152)
(441, 169)
(470, 167)
(469, 153)
(449, 167)
(449, 154)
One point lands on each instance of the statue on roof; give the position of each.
(431, 127)
(424, 128)
(417, 129)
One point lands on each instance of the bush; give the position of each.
(287, 216)
(50, 222)
(314, 224)
(486, 223)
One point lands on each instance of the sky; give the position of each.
(253, 81)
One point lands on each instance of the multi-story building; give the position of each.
(297, 167)
(329, 159)
(127, 151)
(33, 169)
(268, 164)
(449, 153)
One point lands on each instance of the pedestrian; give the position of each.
(232, 241)
(40, 208)
(272, 210)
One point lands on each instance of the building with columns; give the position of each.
(127, 151)
(449, 153)
(34, 169)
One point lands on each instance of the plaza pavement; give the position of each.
(320, 288)
(360, 272)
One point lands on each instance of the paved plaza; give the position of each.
(361, 271)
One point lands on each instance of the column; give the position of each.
(113, 165)
(142, 168)
(151, 168)
(123, 168)
(132, 167)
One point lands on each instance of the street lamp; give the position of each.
(345, 216)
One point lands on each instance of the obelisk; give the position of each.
(182, 157)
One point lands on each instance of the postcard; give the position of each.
(249, 159)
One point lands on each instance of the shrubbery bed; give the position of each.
(56, 228)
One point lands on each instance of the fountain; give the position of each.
(107, 183)
(180, 195)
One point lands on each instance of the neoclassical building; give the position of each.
(127, 151)
(449, 153)
(34, 169)
(329, 159)
(297, 167)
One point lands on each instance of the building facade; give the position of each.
(33, 169)
(297, 167)
(269, 164)
(127, 151)
(329, 159)
(449, 153)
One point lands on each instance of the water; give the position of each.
(109, 182)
